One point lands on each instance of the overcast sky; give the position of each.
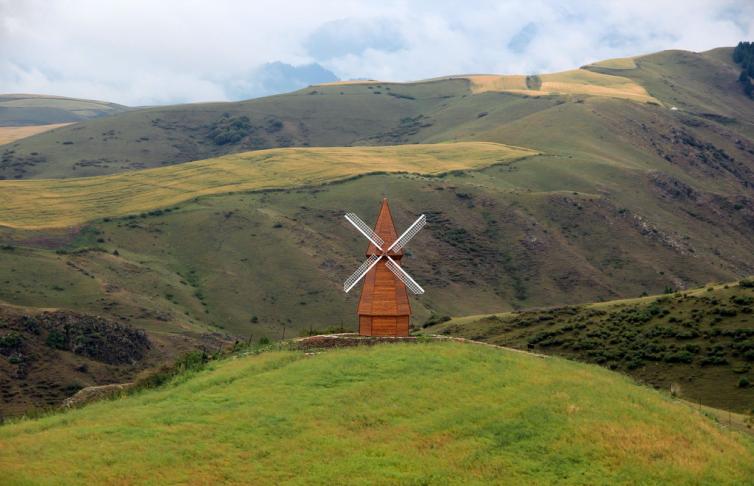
(140, 52)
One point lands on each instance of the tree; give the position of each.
(743, 54)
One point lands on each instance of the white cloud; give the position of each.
(143, 52)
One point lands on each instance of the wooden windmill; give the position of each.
(384, 309)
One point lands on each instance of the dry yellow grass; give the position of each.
(576, 81)
(34, 204)
(11, 134)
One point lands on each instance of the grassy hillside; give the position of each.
(421, 413)
(505, 109)
(698, 343)
(574, 82)
(27, 109)
(624, 198)
(544, 230)
(47, 355)
(11, 134)
(63, 203)
(153, 137)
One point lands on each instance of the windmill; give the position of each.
(384, 309)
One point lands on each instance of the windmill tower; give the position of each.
(384, 309)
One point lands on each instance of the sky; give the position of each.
(140, 52)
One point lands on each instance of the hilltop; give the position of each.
(698, 343)
(425, 413)
(18, 110)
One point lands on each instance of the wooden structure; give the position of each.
(384, 309)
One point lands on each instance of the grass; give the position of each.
(424, 413)
(573, 82)
(699, 343)
(60, 203)
(380, 113)
(617, 63)
(29, 109)
(11, 134)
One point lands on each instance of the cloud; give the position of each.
(523, 38)
(277, 77)
(143, 52)
(351, 36)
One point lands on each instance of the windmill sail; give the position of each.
(365, 230)
(360, 272)
(403, 276)
(408, 234)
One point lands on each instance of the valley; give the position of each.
(209, 223)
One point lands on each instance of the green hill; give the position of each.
(434, 413)
(63, 203)
(25, 109)
(571, 112)
(623, 198)
(699, 343)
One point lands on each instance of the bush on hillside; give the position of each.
(435, 319)
(230, 129)
(743, 54)
(533, 82)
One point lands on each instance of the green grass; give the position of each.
(424, 413)
(700, 343)
(62, 203)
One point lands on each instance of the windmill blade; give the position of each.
(365, 230)
(403, 276)
(360, 272)
(408, 234)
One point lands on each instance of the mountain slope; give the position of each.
(27, 109)
(11, 134)
(699, 343)
(702, 86)
(431, 413)
(64, 203)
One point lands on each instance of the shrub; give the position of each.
(56, 340)
(533, 82)
(747, 283)
(10, 341)
(744, 382)
(264, 340)
(230, 129)
(742, 299)
(679, 357)
(435, 319)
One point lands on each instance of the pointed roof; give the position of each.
(385, 229)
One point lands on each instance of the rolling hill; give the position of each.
(410, 413)
(62, 203)
(699, 343)
(167, 219)
(17, 110)
(11, 134)
(701, 86)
